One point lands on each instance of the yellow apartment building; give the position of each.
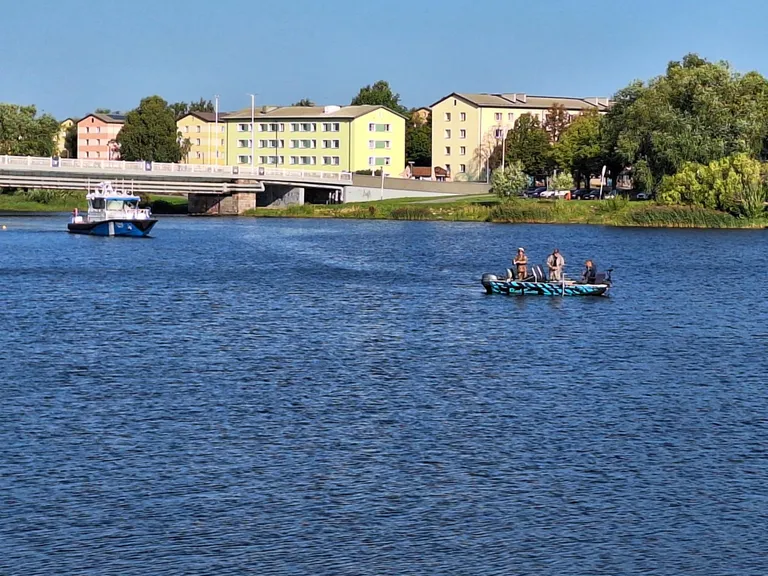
(61, 137)
(467, 127)
(206, 146)
(331, 138)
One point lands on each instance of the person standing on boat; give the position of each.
(590, 272)
(521, 263)
(555, 264)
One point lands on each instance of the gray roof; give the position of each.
(307, 112)
(108, 118)
(521, 100)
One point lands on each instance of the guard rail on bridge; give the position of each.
(122, 169)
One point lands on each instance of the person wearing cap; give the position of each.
(521, 262)
(555, 264)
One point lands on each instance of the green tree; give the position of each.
(304, 102)
(510, 182)
(202, 105)
(529, 144)
(70, 141)
(180, 109)
(418, 142)
(379, 94)
(24, 133)
(580, 149)
(697, 112)
(150, 133)
(103, 111)
(556, 120)
(561, 181)
(185, 146)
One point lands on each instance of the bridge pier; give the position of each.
(280, 195)
(232, 204)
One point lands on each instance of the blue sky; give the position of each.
(56, 55)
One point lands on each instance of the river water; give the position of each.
(334, 397)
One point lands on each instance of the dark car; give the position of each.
(536, 192)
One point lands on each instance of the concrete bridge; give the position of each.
(215, 189)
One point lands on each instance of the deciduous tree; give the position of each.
(579, 149)
(379, 94)
(304, 102)
(529, 144)
(556, 120)
(150, 133)
(418, 143)
(24, 133)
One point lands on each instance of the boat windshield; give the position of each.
(113, 204)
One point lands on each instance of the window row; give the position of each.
(462, 150)
(462, 134)
(332, 144)
(294, 127)
(198, 129)
(293, 160)
(462, 168)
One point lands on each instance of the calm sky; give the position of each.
(71, 57)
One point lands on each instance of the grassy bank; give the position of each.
(618, 212)
(68, 200)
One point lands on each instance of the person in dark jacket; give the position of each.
(590, 272)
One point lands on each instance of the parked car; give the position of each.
(547, 194)
(536, 192)
(643, 196)
(610, 194)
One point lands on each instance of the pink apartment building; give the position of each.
(96, 136)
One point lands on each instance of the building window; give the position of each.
(511, 116)
(88, 129)
(244, 159)
(199, 129)
(98, 129)
(186, 129)
(379, 144)
(462, 168)
(271, 143)
(243, 127)
(331, 160)
(462, 151)
(303, 143)
(498, 133)
(497, 116)
(448, 134)
(447, 116)
(272, 160)
(87, 142)
(447, 150)
(448, 167)
(463, 116)
(374, 161)
(197, 141)
(379, 127)
(244, 143)
(304, 160)
(199, 155)
(222, 127)
(462, 134)
(454, 101)
(331, 127)
(303, 127)
(331, 143)
(271, 127)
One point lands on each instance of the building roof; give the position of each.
(108, 118)
(309, 112)
(206, 116)
(520, 100)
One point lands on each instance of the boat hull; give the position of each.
(135, 228)
(516, 288)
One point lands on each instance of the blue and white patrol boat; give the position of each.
(112, 213)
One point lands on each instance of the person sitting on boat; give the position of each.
(555, 264)
(590, 272)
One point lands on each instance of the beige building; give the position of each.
(205, 145)
(467, 127)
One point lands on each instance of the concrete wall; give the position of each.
(280, 196)
(223, 205)
(368, 194)
(404, 184)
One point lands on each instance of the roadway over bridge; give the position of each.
(215, 189)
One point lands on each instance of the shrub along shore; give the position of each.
(68, 200)
(614, 212)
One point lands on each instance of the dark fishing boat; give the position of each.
(536, 284)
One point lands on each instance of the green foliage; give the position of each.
(411, 213)
(304, 102)
(70, 141)
(418, 142)
(24, 133)
(579, 149)
(556, 121)
(181, 109)
(528, 143)
(735, 184)
(561, 181)
(150, 133)
(697, 112)
(379, 94)
(510, 182)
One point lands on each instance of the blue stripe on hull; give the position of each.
(113, 228)
(544, 288)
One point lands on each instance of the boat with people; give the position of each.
(522, 281)
(112, 212)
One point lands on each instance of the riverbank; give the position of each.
(615, 212)
(68, 200)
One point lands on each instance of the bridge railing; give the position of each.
(260, 172)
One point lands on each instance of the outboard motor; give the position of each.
(487, 279)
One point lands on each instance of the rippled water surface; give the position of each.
(341, 398)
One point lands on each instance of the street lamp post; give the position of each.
(253, 130)
(216, 129)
